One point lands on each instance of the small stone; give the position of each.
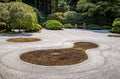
(56, 54)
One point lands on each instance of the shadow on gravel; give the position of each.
(19, 34)
(100, 31)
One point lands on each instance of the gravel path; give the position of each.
(103, 62)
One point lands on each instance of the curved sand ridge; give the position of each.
(95, 60)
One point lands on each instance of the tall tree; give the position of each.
(46, 7)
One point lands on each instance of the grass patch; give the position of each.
(23, 39)
(59, 57)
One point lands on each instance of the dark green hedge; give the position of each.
(93, 27)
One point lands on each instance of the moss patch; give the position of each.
(23, 39)
(116, 35)
(59, 57)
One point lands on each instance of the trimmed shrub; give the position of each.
(18, 15)
(53, 25)
(116, 26)
(28, 24)
(71, 17)
(49, 21)
(68, 26)
(2, 25)
(115, 30)
(116, 22)
(106, 27)
(93, 27)
(36, 28)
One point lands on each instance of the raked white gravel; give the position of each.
(103, 62)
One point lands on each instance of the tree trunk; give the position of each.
(49, 6)
(35, 3)
(45, 7)
(56, 4)
(8, 29)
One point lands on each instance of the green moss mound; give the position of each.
(68, 26)
(53, 25)
(17, 15)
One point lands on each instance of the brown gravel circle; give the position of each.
(59, 57)
(114, 35)
(23, 39)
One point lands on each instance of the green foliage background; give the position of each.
(99, 12)
(104, 11)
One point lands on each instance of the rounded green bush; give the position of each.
(116, 26)
(53, 25)
(18, 15)
(93, 27)
(116, 22)
(68, 26)
(49, 21)
(36, 28)
(115, 30)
